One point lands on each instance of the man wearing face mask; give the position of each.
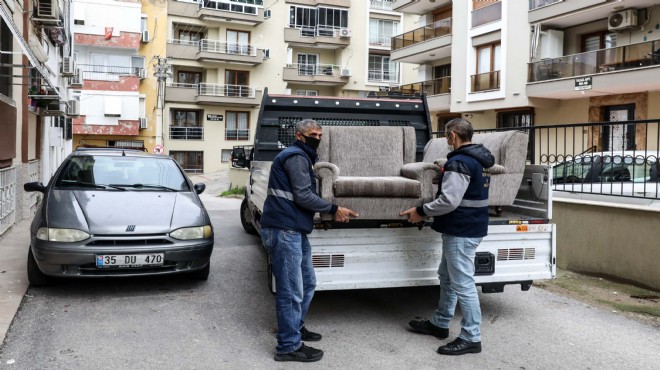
(288, 217)
(460, 213)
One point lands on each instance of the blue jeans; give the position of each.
(295, 280)
(456, 273)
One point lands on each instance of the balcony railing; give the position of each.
(226, 90)
(430, 31)
(108, 73)
(380, 76)
(213, 46)
(535, 4)
(380, 40)
(381, 4)
(487, 14)
(431, 87)
(316, 69)
(186, 133)
(245, 7)
(485, 81)
(237, 134)
(599, 61)
(325, 31)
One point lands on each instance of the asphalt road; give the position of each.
(228, 321)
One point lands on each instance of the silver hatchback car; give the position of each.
(119, 212)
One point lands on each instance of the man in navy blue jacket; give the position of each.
(288, 217)
(460, 213)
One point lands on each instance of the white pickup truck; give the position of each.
(519, 248)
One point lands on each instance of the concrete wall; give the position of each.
(606, 239)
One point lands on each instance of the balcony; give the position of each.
(237, 12)
(437, 92)
(381, 5)
(424, 44)
(237, 134)
(315, 3)
(487, 14)
(380, 41)
(215, 51)
(537, 4)
(485, 81)
(572, 12)
(382, 77)
(186, 133)
(619, 70)
(316, 74)
(213, 94)
(110, 73)
(317, 37)
(417, 6)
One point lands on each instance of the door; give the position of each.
(238, 42)
(308, 64)
(619, 137)
(237, 83)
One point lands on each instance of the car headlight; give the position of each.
(61, 235)
(188, 233)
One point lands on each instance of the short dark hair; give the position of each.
(304, 125)
(462, 128)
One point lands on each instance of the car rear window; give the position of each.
(142, 173)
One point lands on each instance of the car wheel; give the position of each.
(35, 276)
(202, 274)
(572, 179)
(246, 217)
(271, 277)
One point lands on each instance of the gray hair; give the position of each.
(305, 125)
(462, 128)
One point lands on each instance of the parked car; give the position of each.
(118, 212)
(626, 173)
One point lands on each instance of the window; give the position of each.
(191, 162)
(6, 45)
(307, 92)
(382, 69)
(184, 77)
(186, 118)
(238, 42)
(190, 36)
(488, 68)
(326, 20)
(308, 64)
(238, 126)
(143, 23)
(598, 40)
(237, 83)
(381, 32)
(225, 155)
(138, 144)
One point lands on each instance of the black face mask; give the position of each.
(312, 142)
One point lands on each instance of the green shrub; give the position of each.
(233, 191)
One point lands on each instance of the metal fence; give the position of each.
(7, 198)
(610, 158)
(109, 73)
(222, 47)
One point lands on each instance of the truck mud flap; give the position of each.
(499, 287)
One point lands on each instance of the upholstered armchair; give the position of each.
(371, 170)
(510, 151)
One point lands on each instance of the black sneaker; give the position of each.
(425, 327)
(302, 354)
(308, 336)
(460, 347)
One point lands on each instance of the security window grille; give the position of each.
(238, 126)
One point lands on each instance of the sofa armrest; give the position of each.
(327, 173)
(424, 173)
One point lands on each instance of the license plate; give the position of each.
(129, 260)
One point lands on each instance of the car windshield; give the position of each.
(142, 173)
(605, 168)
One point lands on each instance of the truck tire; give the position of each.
(35, 276)
(246, 218)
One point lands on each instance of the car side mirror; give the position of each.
(199, 188)
(34, 186)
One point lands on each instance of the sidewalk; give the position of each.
(13, 276)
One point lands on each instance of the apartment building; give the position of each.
(224, 54)
(35, 129)
(505, 64)
(112, 39)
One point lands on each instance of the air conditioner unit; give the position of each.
(48, 9)
(143, 123)
(56, 108)
(73, 108)
(68, 66)
(345, 72)
(622, 20)
(145, 37)
(267, 13)
(345, 33)
(266, 54)
(77, 79)
(142, 73)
